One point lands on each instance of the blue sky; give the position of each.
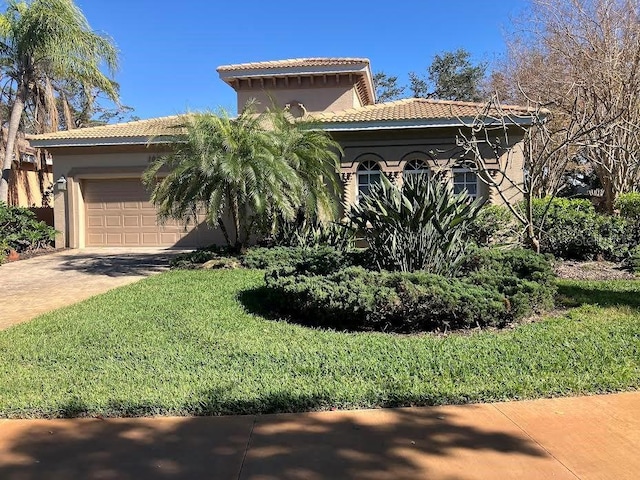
(170, 50)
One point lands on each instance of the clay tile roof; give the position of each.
(294, 63)
(153, 127)
(412, 109)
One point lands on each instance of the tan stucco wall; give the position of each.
(313, 99)
(393, 149)
(24, 187)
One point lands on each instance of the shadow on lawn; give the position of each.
(404, 443)
(594, 293)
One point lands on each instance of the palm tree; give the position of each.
(242, 171)
(43, 42)
(224, 168)
(315, 156)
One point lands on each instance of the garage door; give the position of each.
(119, 214)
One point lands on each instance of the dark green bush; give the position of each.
(628, 204)
(572, 229)
(359, 299)
(494, 225)
(525, 278)
(569, 229)
(21, 231)
(632, 262)
(319, 260)
(194, 259)
(497, 287)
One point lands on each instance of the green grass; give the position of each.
(182, 343)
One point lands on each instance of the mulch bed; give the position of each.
(593, 271)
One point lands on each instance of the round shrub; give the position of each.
(494, 225)
(357, 299)
(496, 287)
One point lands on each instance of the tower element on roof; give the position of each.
(320, 84)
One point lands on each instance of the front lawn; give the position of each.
(183, 343)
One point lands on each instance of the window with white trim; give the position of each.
(369, 175)
(465, 180)
(416, 167)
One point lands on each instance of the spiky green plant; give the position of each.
(419, 226)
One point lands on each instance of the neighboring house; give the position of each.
(31, 177)
(102, 202)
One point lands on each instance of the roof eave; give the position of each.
(101, 141)
(408, 124)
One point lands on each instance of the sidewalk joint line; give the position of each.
(535, 441)
(246, 449)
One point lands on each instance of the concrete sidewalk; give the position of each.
(586, 438)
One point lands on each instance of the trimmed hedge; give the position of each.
(572, 229)
(318, 260)
(498, 288)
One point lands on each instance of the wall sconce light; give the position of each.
(61, 183)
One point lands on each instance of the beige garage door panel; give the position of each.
(118, 213)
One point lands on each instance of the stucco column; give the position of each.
(60, 217)
(346, 178)
(394, 177)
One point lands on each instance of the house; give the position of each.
(101, 202)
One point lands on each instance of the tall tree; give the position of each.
(43, 42)
(387, 87)
(452, 76)
(243, 171)
(578, 56)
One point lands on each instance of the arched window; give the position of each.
(416, 167)
(368, 176)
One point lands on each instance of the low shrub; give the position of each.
(628, 204)
(311, 233)
(21, 231)
(525, 278)
(494, 225)
(357, 299)
(194, 259)
(497, 287)
(615, 237)
(568, 229)
(632, 262)
(319, 260)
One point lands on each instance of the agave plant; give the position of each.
(419, 226)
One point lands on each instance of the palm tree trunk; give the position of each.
(12, 134)
(235, 214)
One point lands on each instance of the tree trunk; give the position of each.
(223, 229)
(532, 239)
(12, 134)
(235, 214)
(609, 196)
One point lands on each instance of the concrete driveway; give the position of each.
(37, 285)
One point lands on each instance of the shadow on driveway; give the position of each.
(117, 264)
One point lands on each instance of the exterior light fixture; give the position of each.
(61, 183)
